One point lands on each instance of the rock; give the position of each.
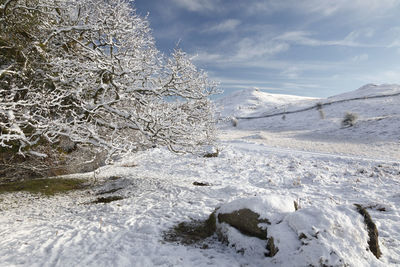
(234, 121)
(246, 221)
(272, 249)
(247, 224)
(211, 152)
(269, 226)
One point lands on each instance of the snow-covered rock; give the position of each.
(330, 235)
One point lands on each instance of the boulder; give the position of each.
(316, 235)
(246, 221)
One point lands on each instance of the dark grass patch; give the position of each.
(107, 199)
(195, 231)
(109, 191)
(47, 187)
(200, 184)
(373, 241)
(212, 154)
(377, 207)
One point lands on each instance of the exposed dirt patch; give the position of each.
(191, 232)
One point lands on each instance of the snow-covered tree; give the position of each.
(88, 70)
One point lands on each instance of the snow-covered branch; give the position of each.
(90, 70)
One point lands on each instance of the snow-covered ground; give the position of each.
(303, 158)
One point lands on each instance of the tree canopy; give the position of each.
(89, 70)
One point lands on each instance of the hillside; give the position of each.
(252, 101)
(378, 116)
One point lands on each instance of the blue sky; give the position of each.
(302, 47)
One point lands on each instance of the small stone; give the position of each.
(272, 249)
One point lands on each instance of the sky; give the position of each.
(302, 47)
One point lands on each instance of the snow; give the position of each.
(37, 154)
(369, 90)
(328, 230)
(252, 100)
(265, 164)
(270, 207)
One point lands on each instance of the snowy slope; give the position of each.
(369, 90)
(378, 118)
(253, 101)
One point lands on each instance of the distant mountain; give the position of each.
(377, 108)
(369, 90)
(252, 101)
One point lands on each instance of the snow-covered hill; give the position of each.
(378, 116)
(369, 90)
(369, 99)
(253, 101)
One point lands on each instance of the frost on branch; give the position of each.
(89, 71)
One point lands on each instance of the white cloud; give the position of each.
(243, 52)
(303, 38)
(303, 7)
(291, 72)
(388, 76)
(325, 8)
(395, 43)
(198, 5)
(225, 26)
(360, 58)
(357, 8)
(394, 35)
(205, 57)
(232, 60)
(268, 85)
(255, 48)
(299, 37)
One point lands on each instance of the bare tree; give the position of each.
(89, 71)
